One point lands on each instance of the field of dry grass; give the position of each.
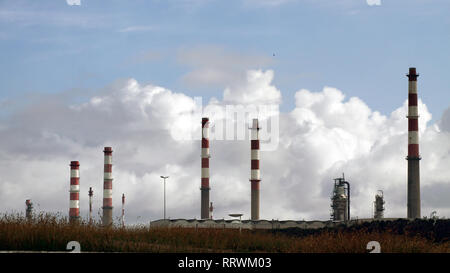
(46, 232)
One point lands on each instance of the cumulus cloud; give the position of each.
(325, 135)
(257, 89)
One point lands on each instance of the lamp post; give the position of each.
(164, 177)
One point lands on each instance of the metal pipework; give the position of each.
(164, 177)
(348, 195)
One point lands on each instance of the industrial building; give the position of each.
(260, 224)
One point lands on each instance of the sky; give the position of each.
(79, 75)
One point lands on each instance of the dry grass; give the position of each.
(46, 232)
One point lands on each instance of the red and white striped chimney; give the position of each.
(107, 188)
(413, 147)
(254, 172)
(74, 205)
(204, 206)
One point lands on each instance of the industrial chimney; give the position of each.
(378, 206)
(74, 206)
(91, 193)
(29, 210)
(211, 208)
(413, 147)
(204, 210)
(123, 210)
(254, 170)
(107, 188)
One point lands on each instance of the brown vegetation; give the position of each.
(47, 232)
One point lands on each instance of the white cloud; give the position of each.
(323, 136)
(257, 89)
(373, 2)
(444, 123)
(73, 2)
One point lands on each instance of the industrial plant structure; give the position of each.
(260, 224)
(340, 200)
(122, 218)
(29, 209)
(211, 208)
(413, 147)
(90, 193)
(378, 206)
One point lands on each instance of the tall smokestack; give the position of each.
(413, 147)
(254, 172)
(107, 188)
(211, 208)
(74, 205)
(91, 193)
(123, 210)
(29, 210)
(204, 210)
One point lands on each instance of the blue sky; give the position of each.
(363, 50)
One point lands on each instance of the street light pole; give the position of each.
(164, 177)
